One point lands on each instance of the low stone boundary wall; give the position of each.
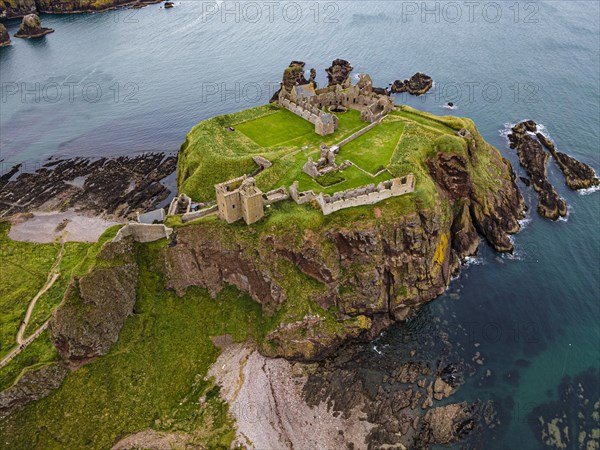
(199, 214)
(142, 232)
(357, 134)
(366, 195)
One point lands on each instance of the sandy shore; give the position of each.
(45, 227)
(265, 397)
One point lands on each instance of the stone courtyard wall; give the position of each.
(366, 195)
(199, 214)
(142, 232)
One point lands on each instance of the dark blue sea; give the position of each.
(131, 81)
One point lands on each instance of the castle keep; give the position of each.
(240, 198)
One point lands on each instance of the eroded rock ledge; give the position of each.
(114, 187)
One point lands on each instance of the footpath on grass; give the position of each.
(23, 343)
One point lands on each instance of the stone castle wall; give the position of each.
(142, 232)
(357, 134)
(214, 209)
(366, 195)
(301, 197)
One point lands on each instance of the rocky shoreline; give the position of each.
(115, 188)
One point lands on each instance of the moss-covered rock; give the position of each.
(31, 27)
(96, 306)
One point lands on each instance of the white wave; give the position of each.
(449, 107)
(524, 222)
(566, 218)
(504, 132)
(589, 190)
(374, 347)
(473, 261)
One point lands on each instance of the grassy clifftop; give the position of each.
(402, 144)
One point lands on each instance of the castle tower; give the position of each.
(228, 199)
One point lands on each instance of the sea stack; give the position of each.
(4, 36)
(418, 84)
(31, 27)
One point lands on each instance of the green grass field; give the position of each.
(373, 150)
(24, 267)
(153, 377)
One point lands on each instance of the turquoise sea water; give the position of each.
(131, 81)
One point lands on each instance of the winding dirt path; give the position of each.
(23, 343)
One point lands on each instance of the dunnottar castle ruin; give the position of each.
(241, 199)
(317, 105)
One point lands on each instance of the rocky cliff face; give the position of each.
(10, 9)
(16, 8)
(32, 386)
(371, 272)
(96, 306)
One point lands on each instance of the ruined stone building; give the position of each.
(240, 198)
(313, 104)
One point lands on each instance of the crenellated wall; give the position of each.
(366, 195)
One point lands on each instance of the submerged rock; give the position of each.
(31, 27)
(573, 420)
(4, 36)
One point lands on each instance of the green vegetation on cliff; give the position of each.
(152, 378)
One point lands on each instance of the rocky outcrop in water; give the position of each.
(418, 84)
(577, 174)
(31, 27)
(4, 36)
(294, 75)
(96, 306)
(534, 160)
(32, 386)
(338, 72)
(115, 187)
